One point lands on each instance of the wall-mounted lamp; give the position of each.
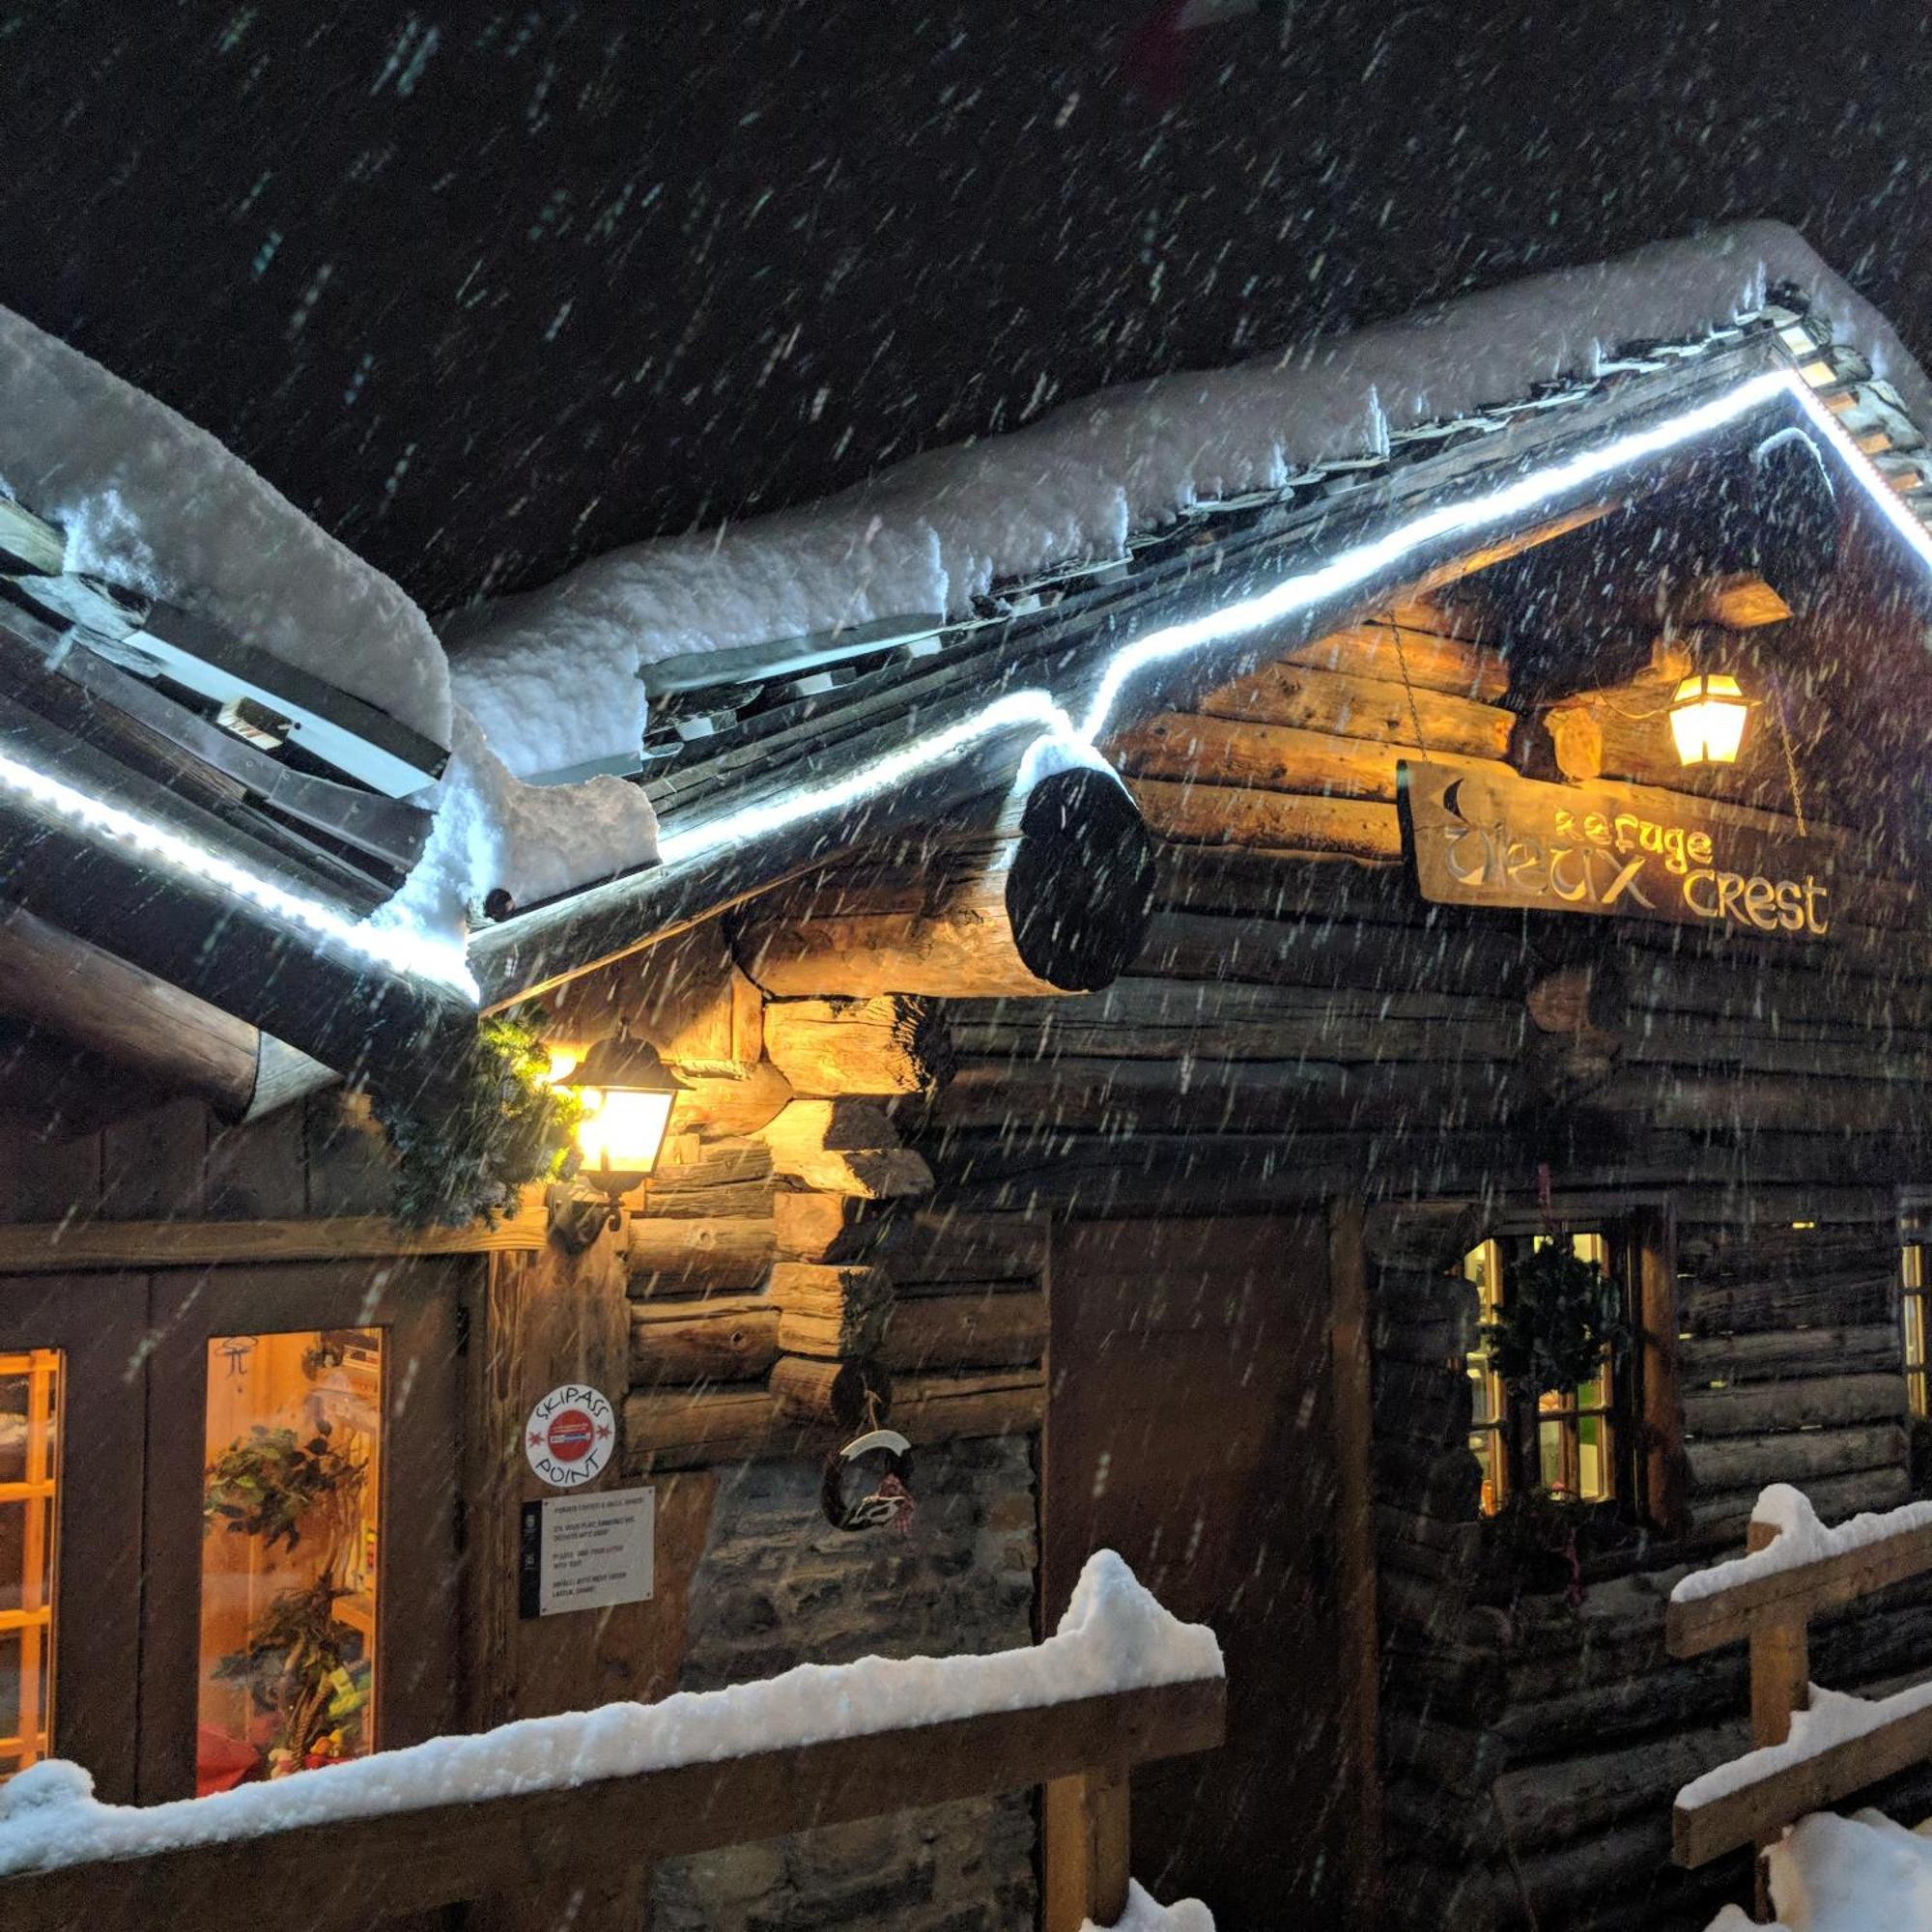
(626, 1092)
(1707, 718)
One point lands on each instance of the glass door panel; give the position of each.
(30, 1406)
(292, 1445)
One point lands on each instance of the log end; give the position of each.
(1080, 890)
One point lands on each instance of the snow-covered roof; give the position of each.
(550, 681)
(549, 675)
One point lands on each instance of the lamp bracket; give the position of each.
(578, 1214)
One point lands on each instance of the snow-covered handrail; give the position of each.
(556, 1798)
(1811, 1747)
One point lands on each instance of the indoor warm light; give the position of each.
(1707, 718)
(627, 1094)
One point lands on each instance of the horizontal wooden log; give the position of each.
(1194, 750)
(672, 1257)
(943, 1409)
(1789, 1355)
(1277, 822)
(844, 1146)
(323, 1876)
(691, 1428)
(1693, 1624)
(891, 1045)
(69, 1247)
(1724, 1516)
(1550, 1804)
(943, 1245)
(1422, 655)
(830, 1311)
(832, 1393)
(728, 1339)
(1425, 956)
(1741, 1461)
(1781, 1304)
(737, 1105)
(1348, 704)
(1774, 1799)
(1053, 900)
(814, 1227)
(1801, 1104)
(948, 1331)
(164, 1038)
(1758, 1409)
(1123, 1095)
(1141, 1019)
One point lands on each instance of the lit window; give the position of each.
(1489, 1437)
(288, 1568)
(1574, 1427)
(1911, 1313)
(30, 1400)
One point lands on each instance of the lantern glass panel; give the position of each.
(622, 1131)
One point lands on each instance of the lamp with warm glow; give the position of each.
(626, 1092)
(1707, 718)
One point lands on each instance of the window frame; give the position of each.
(96, 1323)
(416, 1302)
(1519, 1422)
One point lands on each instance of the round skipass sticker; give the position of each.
(570, 1436)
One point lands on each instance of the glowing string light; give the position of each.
(444, 961)
(418, 954)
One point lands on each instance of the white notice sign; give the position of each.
(589, 1552)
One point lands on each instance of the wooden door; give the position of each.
(90, 1326)
(1189, 1427)
(414, 1304)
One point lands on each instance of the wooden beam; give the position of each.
(1387, 651)
(323, 1876)
(1696, 1624)
(168, 1040)
(1278, 822)
(1270, 757)
(1764, 1806)
(891, 1045)
(685, 996)
(1054, 898)
(730, 1338)
(1086, 1842)
(830, 1311)
(844, 1146)
(1348, 704)
(994, 1329)
(684, 1257)
(71, 1246)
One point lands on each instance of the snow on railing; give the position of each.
(468, 1817)
(1811, 1747)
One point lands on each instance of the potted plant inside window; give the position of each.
(305, 1671)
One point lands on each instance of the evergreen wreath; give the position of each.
(507, 1126)
(1559, 1316)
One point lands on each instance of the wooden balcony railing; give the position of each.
(322, 1877)
(1772, 1613)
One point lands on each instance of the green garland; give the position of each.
(507, 1126)
(1560, 1314)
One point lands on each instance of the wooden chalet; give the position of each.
(1153, 1148)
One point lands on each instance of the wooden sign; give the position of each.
(1483, 836)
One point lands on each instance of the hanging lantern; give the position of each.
(1707, 718)
(627, 1094)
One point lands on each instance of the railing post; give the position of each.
(1780, 1682)
(1085, 1850)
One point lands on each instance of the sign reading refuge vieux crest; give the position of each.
(1487, 837)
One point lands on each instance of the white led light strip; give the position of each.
(444, 961)
(411, 953)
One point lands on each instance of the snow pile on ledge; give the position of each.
(1835, 1718)
(150, 501)
(1859, 1874)
(1143, 1915)
(1115, 1636)
(541, 670)
(1800, 1539)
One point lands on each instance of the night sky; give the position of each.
(487, 290)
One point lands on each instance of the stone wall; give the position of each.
(777, 1586)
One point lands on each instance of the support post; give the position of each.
(1085, 1850)
(1780, 1682)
